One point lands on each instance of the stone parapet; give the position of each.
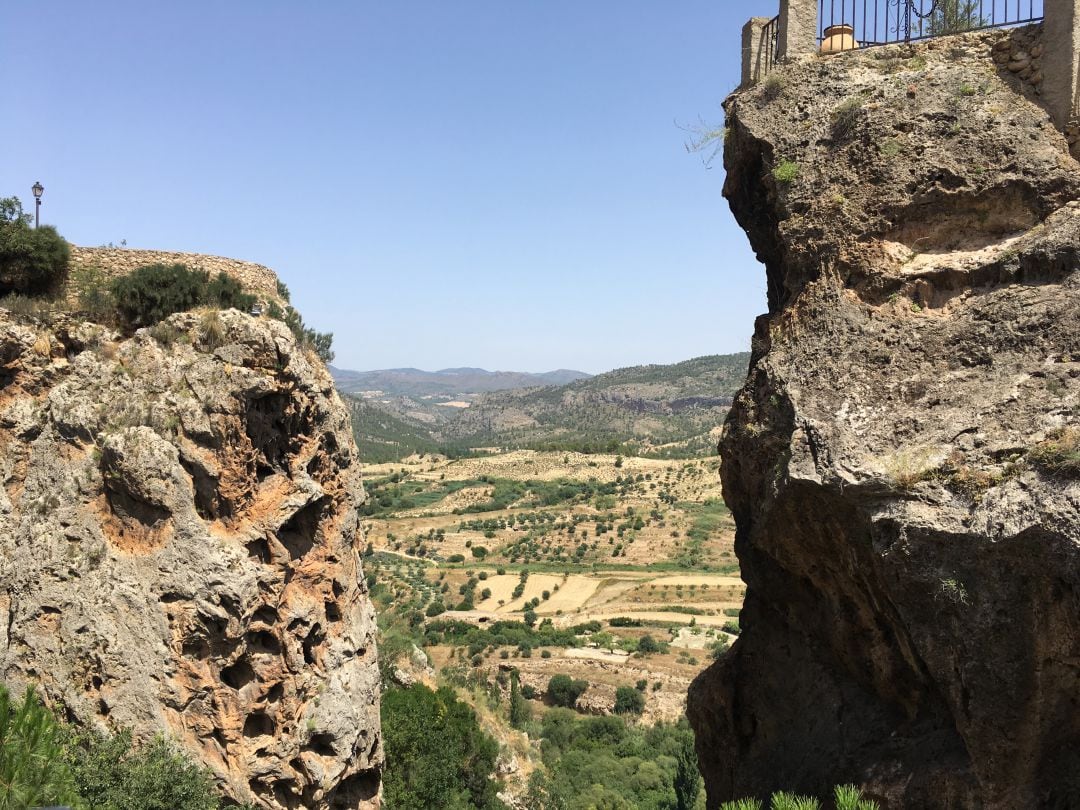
(756, 45)
(112, 262)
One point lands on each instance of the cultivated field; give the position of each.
(602, 551)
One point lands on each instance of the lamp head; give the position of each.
(38, 189)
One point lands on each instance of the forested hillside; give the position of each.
(655, 410)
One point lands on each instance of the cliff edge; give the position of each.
(179, 548)
(903, 462)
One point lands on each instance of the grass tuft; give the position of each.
(786, 172)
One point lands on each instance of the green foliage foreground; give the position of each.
(845, 797)
(33, 261)
(44, 761)
(152, 292)
(606, 762)
(437, 756)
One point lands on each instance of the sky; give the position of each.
(493, 183)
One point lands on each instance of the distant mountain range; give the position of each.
(658, 410)
(414, 382)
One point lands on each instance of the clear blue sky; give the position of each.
(498, 183)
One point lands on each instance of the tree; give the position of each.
(437, 755)
(647, 644)
(520, 711)
(629, 700)
(564, 691)
(33, 771)
(604, 640)
(953, 17)
(110, 772)
(530, 617)
(543, 794)
(33, 261)
(687, 778)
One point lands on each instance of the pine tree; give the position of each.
(687, 779)
(33, 771)
(520, 712)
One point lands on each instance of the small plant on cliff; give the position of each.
(318, 342)
(225, 292)
(33, 261)
(1059, 455)
(92, 291)
(792, 801)
(786, 171)
(953, 590)
(772, 87)
(845, 797)
(849, 797)
(845, 116)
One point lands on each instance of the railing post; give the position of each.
(1061, 59)
(798, 27)
(755, 55)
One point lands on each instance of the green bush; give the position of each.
(111, 774)
(33, 770)
(629, 700)
(46, 762)
(687, 778)
(155, 291)
(604, 762)
(33, 261)
(227, 293)
(647, 644)
(564, 691)
(437, 756)
(786, 172)
(318, 342)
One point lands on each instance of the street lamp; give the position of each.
(38, 189)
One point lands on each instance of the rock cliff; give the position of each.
(178, 548)
(903, 462)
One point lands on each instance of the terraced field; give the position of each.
(559, 563)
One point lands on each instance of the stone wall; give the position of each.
(256, 279)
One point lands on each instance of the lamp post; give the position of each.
(38, 189)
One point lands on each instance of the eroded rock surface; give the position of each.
(912, 617)
(178, 548)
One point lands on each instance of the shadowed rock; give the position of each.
(912, 562)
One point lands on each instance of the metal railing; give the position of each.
(770, 45)
(883, 22)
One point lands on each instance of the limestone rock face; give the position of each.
(178, 549)
(911, 553)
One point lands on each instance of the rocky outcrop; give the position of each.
(898, 461)
(178, 548)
